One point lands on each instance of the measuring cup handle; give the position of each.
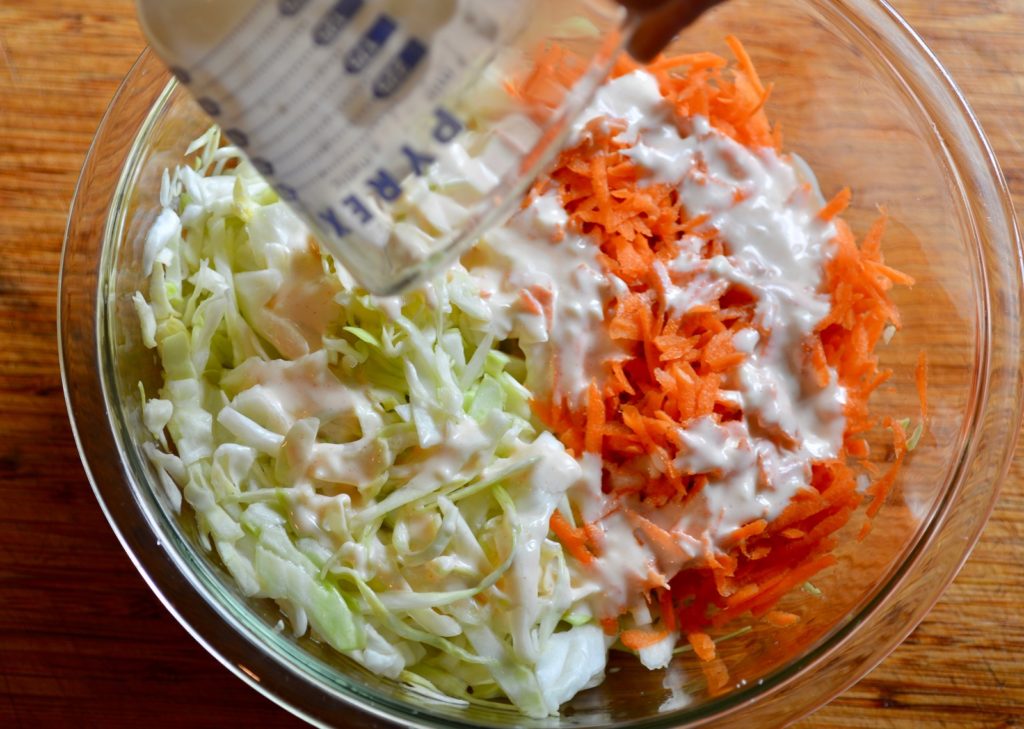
(656, 23)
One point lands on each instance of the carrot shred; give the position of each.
(594, 536)
(702, 644)
(693, 61)
(638, 638)
(571, 538)
(674, 368)
(749, 530)
(595, 420)
(717, 676)
(836, 205)
(661, 540)
(745, 62)
(780, 619)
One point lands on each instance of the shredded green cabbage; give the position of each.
(371, 465)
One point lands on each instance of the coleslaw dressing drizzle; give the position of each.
(766, 217)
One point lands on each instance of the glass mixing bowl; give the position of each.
(866, 104)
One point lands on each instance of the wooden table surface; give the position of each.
(82, 640)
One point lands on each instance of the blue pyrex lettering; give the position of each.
(335, 20)
(447, 126)
(399, 68)
(354, 204)
(330, 216)
(384, 185)
(347, 107)
(418, 161)
(372, 41)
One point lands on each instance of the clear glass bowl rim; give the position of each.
(998, 237)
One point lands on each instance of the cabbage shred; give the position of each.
(371, 465)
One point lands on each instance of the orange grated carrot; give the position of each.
(702, 644)
(780, 619)
(693, 62)
(749, 530)
(674, 367)
(661, 541)
(594, 536)
(745, 62)
(571, 538)
(717, 676)
(595, 419)
(637, 638)
(836, 205)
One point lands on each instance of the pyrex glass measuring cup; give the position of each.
(398, 129)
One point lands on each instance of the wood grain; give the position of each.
(82, 640)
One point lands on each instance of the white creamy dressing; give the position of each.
(291, 301)
(766, 216)
(544, 489)
(306, 387)
(546, 289)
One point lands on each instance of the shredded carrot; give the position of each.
(836, 205)
(880, 489)
(595, 419)
(702, 644)
(693, 61)
(749, 530)
(745, 63)
(717, 676)
(638, 638)
(780, 619)
(675, 366)
(594, 537)
(572, 538)
(662, 541)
